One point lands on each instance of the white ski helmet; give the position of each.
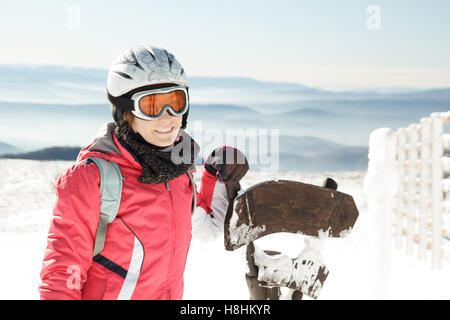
(142, 68)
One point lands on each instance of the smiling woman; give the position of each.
(162, 132)
(126, 181)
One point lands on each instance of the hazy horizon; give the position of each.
(44, 95)
(345, 45)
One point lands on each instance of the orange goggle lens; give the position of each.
(152, 104)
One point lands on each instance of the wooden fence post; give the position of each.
(436, 189)
(401, 157)
(412, 175)
(425, 183)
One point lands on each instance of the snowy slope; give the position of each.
(27, 198)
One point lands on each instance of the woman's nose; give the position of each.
(166, 115)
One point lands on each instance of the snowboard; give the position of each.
(287, 206)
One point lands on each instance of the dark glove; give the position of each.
(227, 163)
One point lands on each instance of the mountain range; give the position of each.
(49, 106)
(307, 154)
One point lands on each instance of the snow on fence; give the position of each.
(417, 204)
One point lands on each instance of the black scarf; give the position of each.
(159, 164)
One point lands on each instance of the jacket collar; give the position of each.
(106, 145)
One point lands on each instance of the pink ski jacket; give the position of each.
(146, 246)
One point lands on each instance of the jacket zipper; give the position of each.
(173, 245)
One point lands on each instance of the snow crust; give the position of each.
(355, 262)
(243, 234)
(300, 272)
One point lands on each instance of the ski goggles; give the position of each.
(151, 104)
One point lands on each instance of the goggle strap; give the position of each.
(121, 102)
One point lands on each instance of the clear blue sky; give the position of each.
(319, 43)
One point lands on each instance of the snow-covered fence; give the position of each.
(423, 164)
(419, 206)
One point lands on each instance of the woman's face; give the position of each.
(161, 132)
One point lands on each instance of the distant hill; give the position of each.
(53, 83)
(249, 83)
(311, 154)
(295, 153)
(52, 153)
(62, 106)
(7, 148)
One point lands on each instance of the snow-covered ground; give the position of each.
(355, 262)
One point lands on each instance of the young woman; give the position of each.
(146, 245)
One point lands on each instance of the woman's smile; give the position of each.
(164, 131)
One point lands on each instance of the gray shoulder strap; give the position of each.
(110, 196)
(194, 197)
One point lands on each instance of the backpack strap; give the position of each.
(194, 197)
(110, 196)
